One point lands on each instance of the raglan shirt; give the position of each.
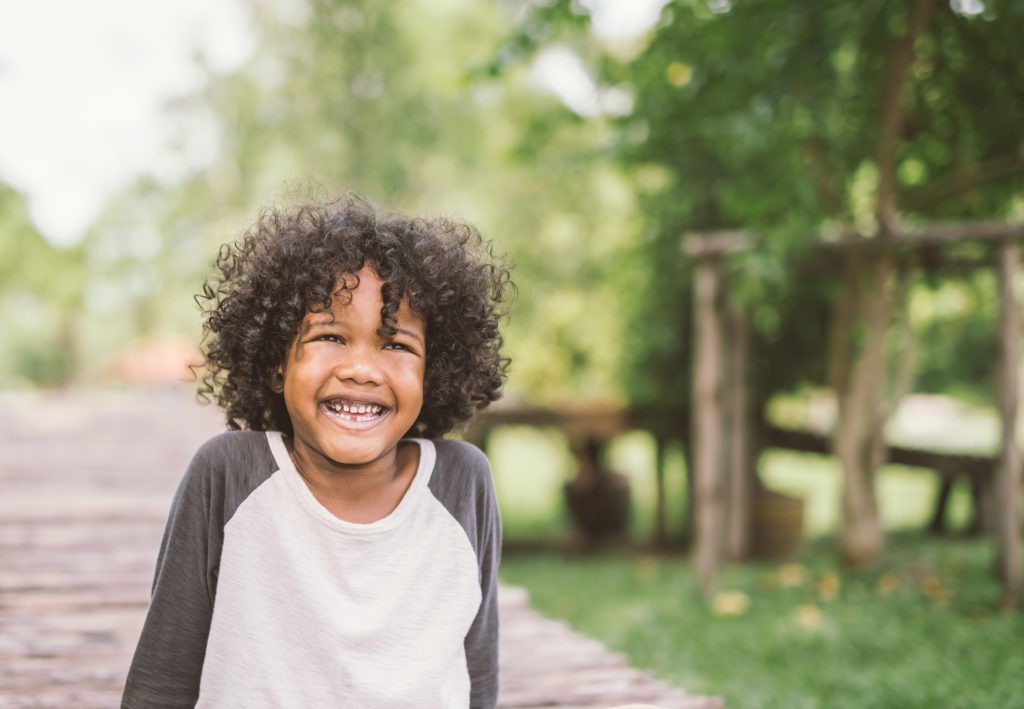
(263, 598)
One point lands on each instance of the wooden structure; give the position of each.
(978, 470)
(721, 427)
(722, 488)
(596, 498)
(606, 423)
(87, 484)
(585, 429)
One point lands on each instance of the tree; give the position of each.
(41, 288)
(397, 101)
(796, 121)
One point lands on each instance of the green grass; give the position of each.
(918, 629)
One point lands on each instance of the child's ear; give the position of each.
(277, 381)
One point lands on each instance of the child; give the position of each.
(334, 552)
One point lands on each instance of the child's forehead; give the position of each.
(349, 278)
(337, 313)
(349, 283)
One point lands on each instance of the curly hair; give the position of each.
(289, 263)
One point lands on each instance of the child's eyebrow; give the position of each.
(409, 333)
(308, 324)
(326, 322)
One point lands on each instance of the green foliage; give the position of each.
(41, 362)
(760, 115)
(918, 629)
(396, 101)
(956, 341)
(29, 263)
(40, 294)
(767, 111)
(960, 159)
(767, 116)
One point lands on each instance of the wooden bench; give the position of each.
(949, 467)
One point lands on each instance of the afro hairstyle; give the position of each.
(290, 262)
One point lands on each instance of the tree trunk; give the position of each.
(866, 311)
(859, 369)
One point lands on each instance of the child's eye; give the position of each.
(397, 346)
(328, 338)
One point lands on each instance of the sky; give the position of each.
(82, 91)
(84, 86)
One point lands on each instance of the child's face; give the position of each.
(352, 395)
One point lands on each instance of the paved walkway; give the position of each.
(85, 483)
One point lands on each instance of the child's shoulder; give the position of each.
(233, 450)
(462, 463)
(232, 443)
(224, 472)
(232, 463)
(462, 453)
(462, 483)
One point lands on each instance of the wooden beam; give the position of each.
(700, 245)
(927, 234)
(974, 467)
(716, 243)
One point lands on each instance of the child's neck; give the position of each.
(358, 493)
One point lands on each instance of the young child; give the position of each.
(331, 550)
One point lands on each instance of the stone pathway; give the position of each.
(85, 484)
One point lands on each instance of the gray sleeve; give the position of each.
(168, 660)
(462, 482)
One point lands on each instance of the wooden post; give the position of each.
(1007, 484)
(739, 503)
(707, 417)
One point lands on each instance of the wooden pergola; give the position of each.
(721, 435)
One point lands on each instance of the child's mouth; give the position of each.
(348, 410)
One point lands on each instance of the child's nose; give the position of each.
(360, 365)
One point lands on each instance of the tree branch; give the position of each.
(964, 180)
(891, 118)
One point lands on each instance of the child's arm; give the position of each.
(168, 660)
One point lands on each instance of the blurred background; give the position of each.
(611, 147)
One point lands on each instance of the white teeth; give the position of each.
(356, 409)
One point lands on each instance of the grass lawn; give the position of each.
(920, 628)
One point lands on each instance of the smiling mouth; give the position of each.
(359, 411)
